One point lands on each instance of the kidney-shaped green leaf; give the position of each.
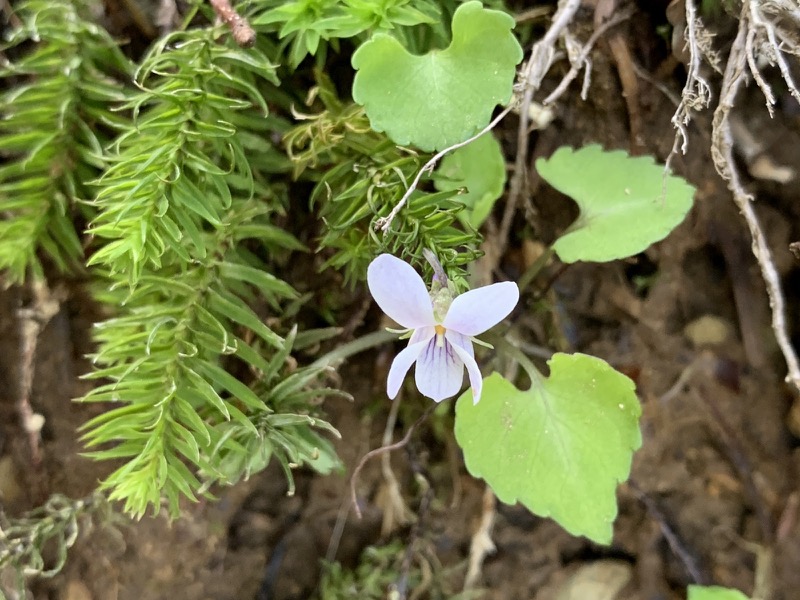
(481, 169)
(626, 203)
(697, 592)
(444, 96)
(559, 448)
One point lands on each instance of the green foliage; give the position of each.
(697, 592)
(280, 427)
(714, 9)
(626, 203)
(53, 126)
(53, 526)
(179, 170)
(559, 448)
(364, 176)
(379, 570)
(478, 170)
(308, 24)
(185, 213)
(443, 97)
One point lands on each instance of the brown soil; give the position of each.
(711, 489)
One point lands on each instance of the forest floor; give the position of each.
(712, 496)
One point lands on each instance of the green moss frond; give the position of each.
(54, 122)
(186, 211)
(165, 357)
(53, 526)
(364, 175)
(174, 174)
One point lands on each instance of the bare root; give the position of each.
(741, 58)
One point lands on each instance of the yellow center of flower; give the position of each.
(439, 329)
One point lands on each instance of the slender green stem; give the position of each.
(530, 274)
(349, 349)
(504, 346)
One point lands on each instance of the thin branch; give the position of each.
(384, 223)
(581, 60)
(32, 320)
(395, 511)
(532, 14)
(481, 545)
(243, 33)
(400, 588)
(722, 152)
(542, 56)
(750, 53)
(696, 93)
(378, 451)
(167, 16)
(677, 546)
(741, 463)
(11, 16)
(767, 26)
(140, 18)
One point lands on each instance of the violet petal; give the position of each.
(463, 347)
(402, 363)
(400, 292)
(477, 310)
(440, 371)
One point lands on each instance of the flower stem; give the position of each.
(355, 347)
(438, 270)
(530, 274)
(507, 347)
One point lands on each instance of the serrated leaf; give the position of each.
(444, 96)
(697, 592)
(559, 448)
(481, 169)
(626, 203)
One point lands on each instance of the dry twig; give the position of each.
(378, 451)
(722, 152)
(542, 56)
(482, 544)
(32, 320)
(11, 16)
(396, 512)
(676, 544)
(582, 59)
(242, 32)
(384, 223)
(696, 94)
(765, 39)
(166, 16)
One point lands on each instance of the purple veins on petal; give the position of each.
(440, 370)
(440, 350)
(400, 292)
(463, 347)
(477, 310)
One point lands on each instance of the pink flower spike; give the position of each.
(441, 344)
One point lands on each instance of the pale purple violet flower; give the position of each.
(442, 326)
